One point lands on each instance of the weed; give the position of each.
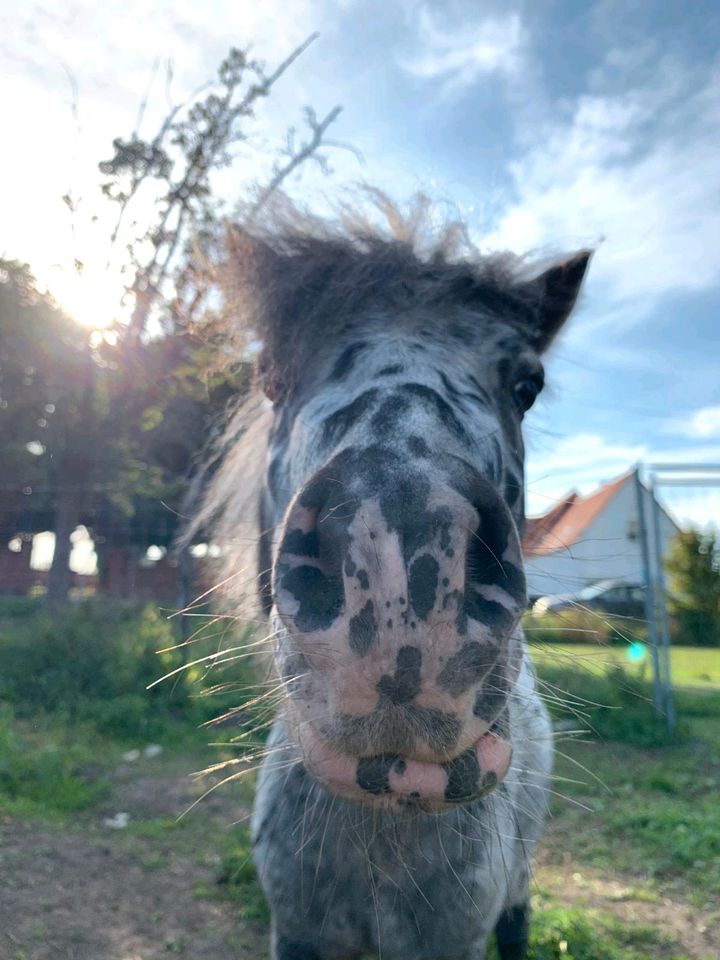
(568, 933)
(47, 772)
(237, 875)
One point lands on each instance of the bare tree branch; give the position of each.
(193, 140)
(296, 159)
(146, 96)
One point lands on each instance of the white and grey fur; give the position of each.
(348, 316)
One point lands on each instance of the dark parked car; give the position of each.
(609, 596)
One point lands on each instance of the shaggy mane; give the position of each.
(293, 280)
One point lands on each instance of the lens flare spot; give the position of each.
(636, 652)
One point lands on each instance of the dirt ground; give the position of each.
(696, 932)
(88, 891)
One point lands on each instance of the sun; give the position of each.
(93, 298)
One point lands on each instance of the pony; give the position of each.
(407, 770)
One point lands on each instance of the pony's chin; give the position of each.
(392, 781)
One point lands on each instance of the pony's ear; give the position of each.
(554, 294)
(253, 260)
(255, 284)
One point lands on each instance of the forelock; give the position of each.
(294, 281)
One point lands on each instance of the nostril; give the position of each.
(308, 570)
(493, 551)
(299, 544)
(317, 599)
(488, 563)
(315, 530)
(495, 591)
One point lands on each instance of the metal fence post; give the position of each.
(662, 612)
(649, 594)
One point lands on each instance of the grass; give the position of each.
(652, 815)
(570, 933)
(76, 690)
(49, 768)
(633, 798)
(690, 666)
(238, 877)
(631, 802)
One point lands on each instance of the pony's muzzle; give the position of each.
(402, 608)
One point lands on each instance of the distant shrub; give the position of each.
(94, 662)
(46, 773)
(18, 607)
(582, 626)
(693, 567)
(611, 706)
(695, 628)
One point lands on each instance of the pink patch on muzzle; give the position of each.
(397, 780)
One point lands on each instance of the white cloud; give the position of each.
(635, 174)
(579, 461)
(702, 424)
(583, 461)
(109, 51)
(460, 56)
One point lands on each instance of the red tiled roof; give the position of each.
(564, 524)
(536, 528)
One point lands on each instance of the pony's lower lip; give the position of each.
(391, 780)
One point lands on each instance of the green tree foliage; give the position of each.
(693, 567)
(105, 429)
(176, 168)
(32, 341)
(65, 412)
(95, 431)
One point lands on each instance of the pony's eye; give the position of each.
(525, 392)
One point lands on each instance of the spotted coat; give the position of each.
(407, 772)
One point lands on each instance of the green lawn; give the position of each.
(690, 666)
(629, 868)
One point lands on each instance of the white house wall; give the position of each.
(607, 549)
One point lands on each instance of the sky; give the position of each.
(550, 125)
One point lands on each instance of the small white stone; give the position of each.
(152, 750)
(118, 822)
(130, 756)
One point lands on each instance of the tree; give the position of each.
(693, 566)
(64, 404)
(31, 335)
(90, 440)
(176, 167)
(131, 408)
(170, 284)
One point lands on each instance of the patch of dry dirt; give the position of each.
(85, 891)
(628, 899)
(89, 892)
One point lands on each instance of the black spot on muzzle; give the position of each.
(422, 584)
(464, 669)
(405, 685)
(363, 629)
(373, 773)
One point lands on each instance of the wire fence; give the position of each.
(691, 493)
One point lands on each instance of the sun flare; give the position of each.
(92, 298)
